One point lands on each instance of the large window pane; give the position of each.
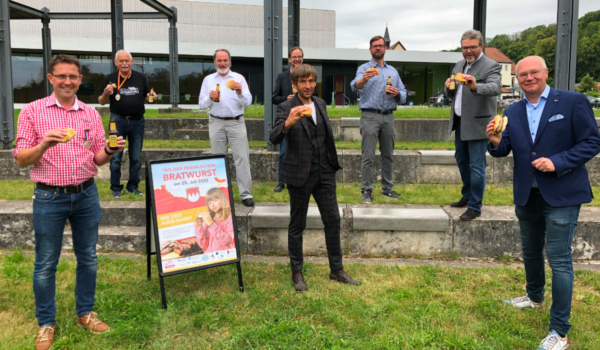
(157, 73)
(28, 77)
(93, 69)
(191, 75)
(414, 77)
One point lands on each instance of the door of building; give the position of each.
(339, 83)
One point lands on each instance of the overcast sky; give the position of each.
(429, 25)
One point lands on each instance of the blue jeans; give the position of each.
(470, 156)
(542, 224)
(50, 213)
(132, 130)
(282, 150)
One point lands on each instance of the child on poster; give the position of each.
(214, 229)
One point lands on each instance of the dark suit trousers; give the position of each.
(321, 185)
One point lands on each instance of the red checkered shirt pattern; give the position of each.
(67, 163)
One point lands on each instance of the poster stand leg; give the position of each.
(148, 225)
(239, 271)
(163, 295)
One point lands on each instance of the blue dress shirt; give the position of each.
(534, 112)
(372, 95)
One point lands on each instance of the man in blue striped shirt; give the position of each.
(378, 102)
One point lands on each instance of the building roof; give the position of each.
(499, 57)
(398, 43)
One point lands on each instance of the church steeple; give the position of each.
(386, 37)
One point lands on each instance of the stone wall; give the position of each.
(366, 230)
(409, 166)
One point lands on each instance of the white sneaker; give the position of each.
(554, 342)
(524, 303)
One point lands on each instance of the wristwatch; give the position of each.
(107, 152)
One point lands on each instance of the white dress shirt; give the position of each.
(458, 102)
(314, 112)
(231, 104)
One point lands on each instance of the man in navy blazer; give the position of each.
(552, 134)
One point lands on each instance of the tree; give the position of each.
(588, 52)
(517, 50)
(586, 85)
(541, 40)
(501, 42)
(546, 48)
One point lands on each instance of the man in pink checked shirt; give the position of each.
(63, 172)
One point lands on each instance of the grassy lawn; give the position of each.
(257, 111)
(411, 146)
(397, 307)
(431, 194)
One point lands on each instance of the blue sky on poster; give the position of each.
(429, 25)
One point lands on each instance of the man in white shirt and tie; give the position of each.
(226, 123)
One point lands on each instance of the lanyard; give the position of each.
(119, 84)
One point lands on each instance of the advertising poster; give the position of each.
(194, 215)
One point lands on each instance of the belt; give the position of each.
(227, 118)
(535, 190)
(65, 189)
(128, 117)
(379, 111)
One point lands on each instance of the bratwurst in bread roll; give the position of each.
(500, 124)
(307, 112)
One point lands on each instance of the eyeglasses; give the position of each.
(377, 46)
(64, 77)
(472, 48)
(533, 73)
(296, 57)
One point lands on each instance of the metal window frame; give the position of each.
(24, 12)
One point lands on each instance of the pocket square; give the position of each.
(556, 117)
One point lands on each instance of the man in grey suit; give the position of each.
(473, 108)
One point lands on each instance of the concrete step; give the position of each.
(279, 217)
(365, 230)
(383, 230)
(190, 134)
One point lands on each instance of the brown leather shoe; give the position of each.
(298, 281)
(342, 277)
(45, 338)
(93, 323)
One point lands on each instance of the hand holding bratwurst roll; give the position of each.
(495, 128)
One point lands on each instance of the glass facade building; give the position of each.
(334, 77)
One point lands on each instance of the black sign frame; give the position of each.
(152, 225)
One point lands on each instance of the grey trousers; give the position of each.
(233, 131)
(375, 127)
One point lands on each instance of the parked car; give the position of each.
(439, 100)
(503, 103)
(507, 102)
(594, 101)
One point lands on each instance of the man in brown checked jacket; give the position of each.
(309, 168)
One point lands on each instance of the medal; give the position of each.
(87, 144)
(120, 84)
